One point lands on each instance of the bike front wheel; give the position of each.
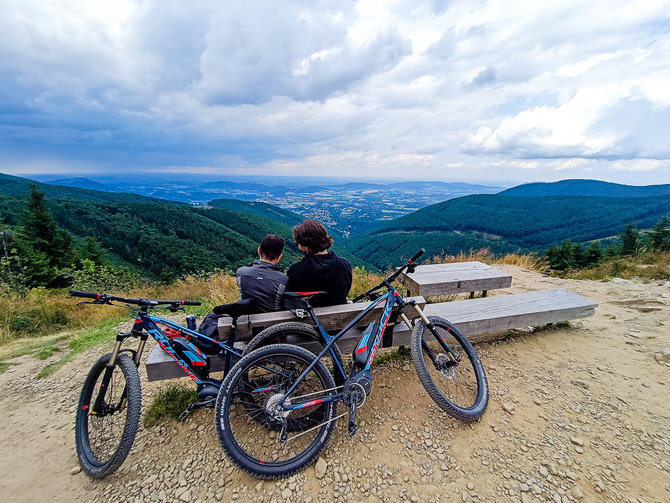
(449, 369)
(104, 437)
(263, 438)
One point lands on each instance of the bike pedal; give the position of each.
(353, 429)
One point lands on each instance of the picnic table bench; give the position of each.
(471, 316)
(456, 277)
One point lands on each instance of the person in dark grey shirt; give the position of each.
(263, 280)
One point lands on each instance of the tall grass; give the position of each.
(650, 266)
(45, 312)
(529, 261)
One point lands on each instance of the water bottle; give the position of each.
(190, 322)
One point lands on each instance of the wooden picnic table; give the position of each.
(456, 277)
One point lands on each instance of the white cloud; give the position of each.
(492, 90)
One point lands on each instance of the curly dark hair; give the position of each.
(313, 235)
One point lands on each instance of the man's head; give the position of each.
(271, 248)
(311, 237)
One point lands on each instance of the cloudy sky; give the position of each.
(493, 91)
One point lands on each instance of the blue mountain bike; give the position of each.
(276, 409)
(108, 414)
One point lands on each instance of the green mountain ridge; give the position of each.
(580, 187)
(506, 224)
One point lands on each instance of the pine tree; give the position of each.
(660, 235)
(632, 241)
(593, 254)
(91, 249)
(44, 251)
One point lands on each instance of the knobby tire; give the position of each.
(460, 391)
(250, 436)
(103, 441)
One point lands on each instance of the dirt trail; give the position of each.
(576, 414)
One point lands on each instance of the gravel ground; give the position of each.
(580, 413)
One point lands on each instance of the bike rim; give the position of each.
(460, 383)
(101, 435)
(255, 434)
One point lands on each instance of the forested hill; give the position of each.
(586, 188)
(506, 224)
(258, 208)
(159, 236)
(274, 212)
(15, 185)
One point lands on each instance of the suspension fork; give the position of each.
(111, 364)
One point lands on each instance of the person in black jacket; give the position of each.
(319, 269)
(263, 280)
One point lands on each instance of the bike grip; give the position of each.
(191, 303)
(86, 295)
(361, 296)
(417, 255)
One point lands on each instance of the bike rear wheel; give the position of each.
(255, 432)
(104, 439)
(459, 388)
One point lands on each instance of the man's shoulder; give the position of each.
(244, 270)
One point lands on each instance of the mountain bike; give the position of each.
(276, 409)
(108, 413)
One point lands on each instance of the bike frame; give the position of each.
(147, 324)
(391, 298)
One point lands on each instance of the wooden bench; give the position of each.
(473, 316)
(160, 366)
(456, 277)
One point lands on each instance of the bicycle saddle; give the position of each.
(235, 309)
(303, 295)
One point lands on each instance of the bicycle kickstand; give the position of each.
(353, 427)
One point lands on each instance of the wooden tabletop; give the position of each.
(456, 277)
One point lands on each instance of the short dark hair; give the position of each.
(272, 246)
(313, 235)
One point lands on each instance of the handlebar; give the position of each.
(409, 265)
(104, 298)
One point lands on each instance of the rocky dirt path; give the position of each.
(576, 414)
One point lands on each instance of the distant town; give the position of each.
(349, 208)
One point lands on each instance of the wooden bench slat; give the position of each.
(490, 314)
(458, 277)
(331, 317)
(505, 312)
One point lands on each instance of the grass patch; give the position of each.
(86, 339)
(529, 261)
(40, 348)
(652, 266)
(5, 365)
(560, 325)
(169, 403)
(401, 353)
